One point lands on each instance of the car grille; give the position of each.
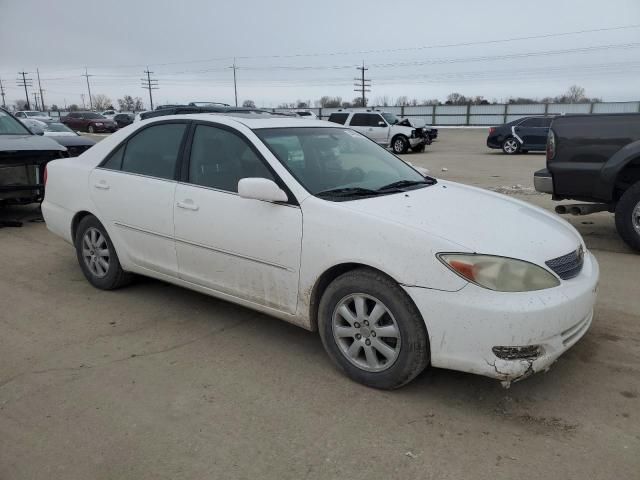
(569, 265)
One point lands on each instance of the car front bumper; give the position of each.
(466, 325)
(543, 181)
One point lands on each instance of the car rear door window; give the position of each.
(154, 151)
(360, 120)
(338, 118)
(220, 158)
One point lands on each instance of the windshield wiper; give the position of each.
(404, 183)
(349, 192)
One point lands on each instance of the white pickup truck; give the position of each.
(385, 129)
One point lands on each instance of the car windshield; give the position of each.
(56, 127)
(11, 126)
(340, 164)
(390, 118)
(92, 115)
(35, 114)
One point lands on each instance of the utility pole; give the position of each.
(86, 75)
(25, 82)
(2, 93)
(35, 100)
(235, 85)
(149, 84)
(363, 84)
(40, 88)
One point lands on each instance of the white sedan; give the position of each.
(316, 224)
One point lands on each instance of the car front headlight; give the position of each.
(98, 124)
(499, 273)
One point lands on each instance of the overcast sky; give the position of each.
(292, 49)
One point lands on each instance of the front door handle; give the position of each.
(102, 185)
(188, 205)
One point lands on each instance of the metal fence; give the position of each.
(483, 115)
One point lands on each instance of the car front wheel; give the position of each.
(510, 146)
(628, 216)
(97, 256)
(91, 129)
(400, 145)
(372, 331)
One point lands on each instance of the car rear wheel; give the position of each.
(97, 256)
(510, 146)
(372, 331)
(400, 145)
(628, 216)
(91, 129)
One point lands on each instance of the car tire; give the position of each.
(398, 346)
(628, 216)
(510, 146)
(399, 144)
(97, 256)
(91, 129)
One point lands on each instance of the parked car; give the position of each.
(306, 114)
(34, 114)
(123, 119)
(431, 131)
(384, 129)
(108, 114)
(23, 156)
(76, 144)
(596, 159)
(521, 135)
(391, 271)
(89, 122)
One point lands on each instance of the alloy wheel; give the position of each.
(95, 252)
(366, 332)
(510, 145)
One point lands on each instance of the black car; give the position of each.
(596, 159)
(23, 156)
(521, 135)
(123, 119)
(75, 143)
(183, 109)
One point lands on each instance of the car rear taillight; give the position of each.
(492, 130)
(551, 145)
(44, 176)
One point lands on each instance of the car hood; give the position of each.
(72, 140)
(28, 142)
(478, 220)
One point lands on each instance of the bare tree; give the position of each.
(126, 103)
(402, 101)
(432, 101)
(301, 104)
(456, 99)
(73, 107)
(382, 101)
(249, 104)
(138, 106)
(101, 101)
(330, 102)
(575, 94)
(357, 102)
(21, 104)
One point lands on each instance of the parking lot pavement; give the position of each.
(157, 382)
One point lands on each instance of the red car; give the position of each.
(89, 122)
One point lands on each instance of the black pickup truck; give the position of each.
(596, 159)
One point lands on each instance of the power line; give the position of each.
(151, 84)
(363, 84)
(86, 75)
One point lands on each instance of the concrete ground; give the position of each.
(156, 382)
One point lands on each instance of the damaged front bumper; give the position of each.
(471, 329)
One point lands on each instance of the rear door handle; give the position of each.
(102, 185)
(188, 205)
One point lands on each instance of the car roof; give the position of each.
(250, 120)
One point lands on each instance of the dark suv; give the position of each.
(521, 135)
(89, 122)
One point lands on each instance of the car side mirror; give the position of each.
(261, 189)
(382, 124)
(37, 131)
